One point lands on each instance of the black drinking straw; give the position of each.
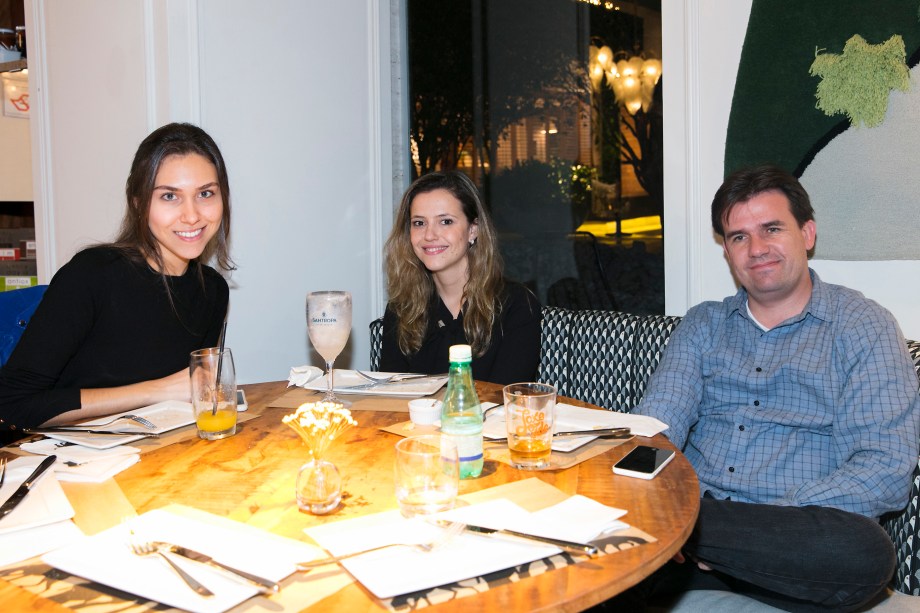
(220, 364)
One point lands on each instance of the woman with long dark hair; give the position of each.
(116, 325)
(446, 287)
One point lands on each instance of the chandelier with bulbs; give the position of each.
(633, 79)
(626, 129)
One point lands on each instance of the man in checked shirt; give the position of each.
(796, 402)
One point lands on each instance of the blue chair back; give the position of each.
(16, 309)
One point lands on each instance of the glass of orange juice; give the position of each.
(213, 380)
(530, 414)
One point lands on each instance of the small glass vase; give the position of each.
(319, 487)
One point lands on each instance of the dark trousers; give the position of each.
(793, 558)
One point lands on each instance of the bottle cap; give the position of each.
(460, 353)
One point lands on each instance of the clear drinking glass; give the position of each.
(329, 324)
(530, 415)
(213, 380)
(427, 474)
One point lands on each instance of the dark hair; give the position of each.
(135, 237)
(744, 184)
(410, 285)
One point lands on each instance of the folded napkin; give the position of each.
(577, 518)
(301, 375)
(401, 570)
(30, 542)
(105, 558)
(44, 505)
(83, 464)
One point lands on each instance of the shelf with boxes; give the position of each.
(12, 45)
(18, 267)
(14, 65)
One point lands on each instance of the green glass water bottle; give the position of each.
(461, 414)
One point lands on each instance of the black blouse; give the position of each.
(512, 356)
(106, 321)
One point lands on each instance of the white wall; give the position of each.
(702, 42)
(290, 90)
(291, 99)
(91, 93)
(87, 96)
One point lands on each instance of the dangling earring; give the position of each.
(472, 242)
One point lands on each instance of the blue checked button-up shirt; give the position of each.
(822, 410)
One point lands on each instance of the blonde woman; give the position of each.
(445, 283)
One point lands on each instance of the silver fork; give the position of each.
(449, 533)
(135, 418)
(149, 549)
(2, 471)
(381, 380)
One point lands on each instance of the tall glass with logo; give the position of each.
(461, 413)
(329, 324)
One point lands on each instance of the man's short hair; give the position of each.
(744, 184)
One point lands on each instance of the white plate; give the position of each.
(345, 380)
(106, 558)
(45, 504)
(166, 416)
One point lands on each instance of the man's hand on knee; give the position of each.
(680, 559)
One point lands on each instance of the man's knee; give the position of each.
(871, 552)
(818, 554)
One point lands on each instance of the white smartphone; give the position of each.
(241, 404)
(643, 462)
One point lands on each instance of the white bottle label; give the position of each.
(469, 447)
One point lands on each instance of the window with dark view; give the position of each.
(553, 107)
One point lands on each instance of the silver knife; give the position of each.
(605, 432)
(75, 430)
(569, 546)
(191, 554)
(26, 486)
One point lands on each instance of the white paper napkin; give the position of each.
(87, 465)
(45, 503)
(98, 471)
(106, 558)
(301, 375)
(577, 518)
(24, 544)
(401, 570)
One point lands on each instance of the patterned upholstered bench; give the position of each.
(606, 358)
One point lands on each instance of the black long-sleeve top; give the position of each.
(513, 355)
(106, 321)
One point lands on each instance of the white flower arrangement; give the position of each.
(319, 423)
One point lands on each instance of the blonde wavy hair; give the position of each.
(410, 285)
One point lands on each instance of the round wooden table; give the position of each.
(249, 478)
